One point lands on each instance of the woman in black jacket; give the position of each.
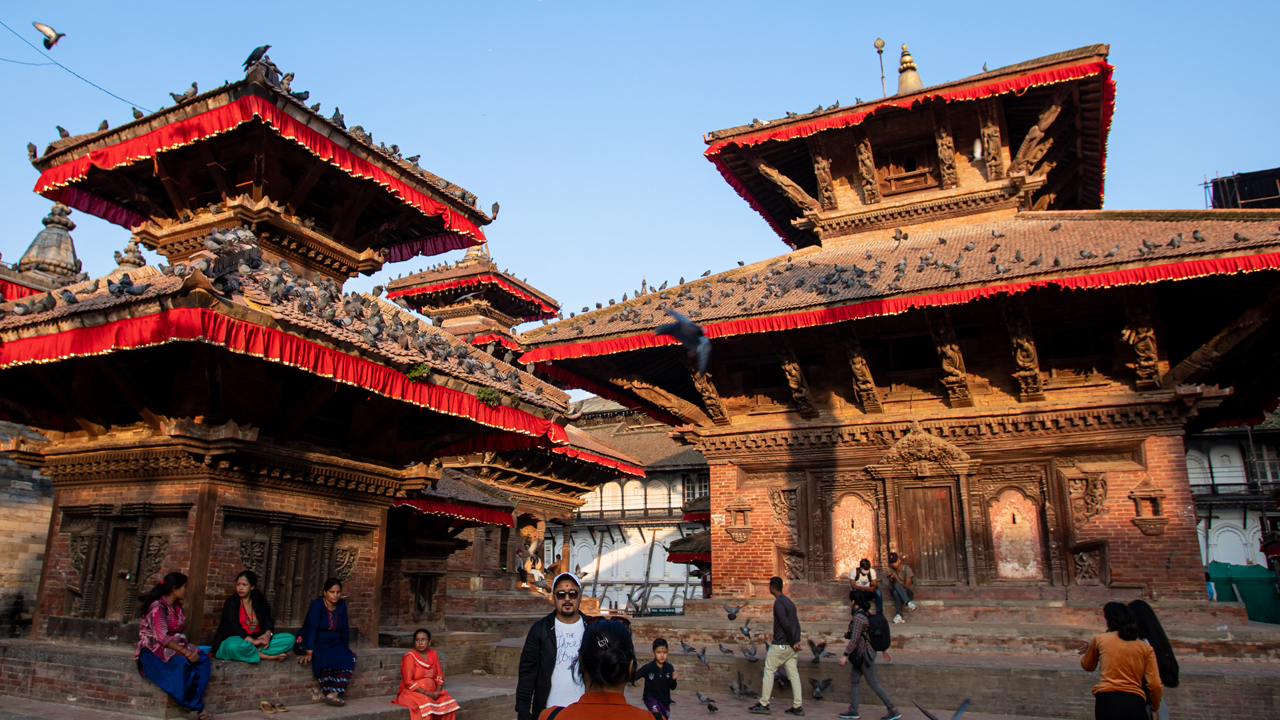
(245, 633)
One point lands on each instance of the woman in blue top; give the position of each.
(326, 639)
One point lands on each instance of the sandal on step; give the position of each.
(266, 707)
(335, 702)
(280, 708)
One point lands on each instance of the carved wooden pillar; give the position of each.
(135, 566)
(947, 175)
(795, 378)
(273, 560)
(566, 552)
(1140, 333)
(1025, 358)
(954, 377)
(989, 113)
(326, 552)
(822, 171)
(864, 386)
(812, 524)
(867, 169)
(91, 578)
(969, 528)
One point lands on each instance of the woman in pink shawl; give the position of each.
(422, 682)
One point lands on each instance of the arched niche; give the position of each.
(853, 533)
(1016, 536)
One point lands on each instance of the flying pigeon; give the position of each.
(746, 629)
(702, 658)
(732, 611)
(690, 336)
(963, 706)
(724, 650)
(749, 653)
(817, 649)
(687, 647)
(51, 36)
(819, 686)
(255, 56)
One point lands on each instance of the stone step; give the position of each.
(1077, 613)
(1251, 641)
(1040, 686)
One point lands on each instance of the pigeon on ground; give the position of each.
(749, 653)
(963, 706)
(1056, 227)
(687, 647)
(1197, 237)
(817, 649)
(690, 336)
(819, 686)
(51, 36)
(780, 678)
(255, 56)
(733, 612)
(738, 688)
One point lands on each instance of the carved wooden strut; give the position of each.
(1036, 134)
(864, 385)
(990, 132)
(1025, 358)
(867, 169)
(954, 377)
(710, 397)
(795, 378)
(946, 147)
(784, 184)
(822, 171)
(1140, 333)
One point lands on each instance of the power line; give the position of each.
(19, 62)
(73, 72)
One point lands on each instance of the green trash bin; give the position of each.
(1254, 585)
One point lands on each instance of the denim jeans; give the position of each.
(901, 596)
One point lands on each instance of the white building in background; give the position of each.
(620, 535)
(1233, 474)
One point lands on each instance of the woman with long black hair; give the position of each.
(1130, 682)
(246, 630)
(1152, 632)
(606, 663)
(326, 642)
(163, 654)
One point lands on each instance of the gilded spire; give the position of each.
(908, 79)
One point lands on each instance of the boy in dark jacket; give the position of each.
(659, 680)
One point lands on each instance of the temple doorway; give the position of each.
(929, 536)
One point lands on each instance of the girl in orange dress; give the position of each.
(422, 682)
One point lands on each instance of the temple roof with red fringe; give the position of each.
(204, 151)
(464, 498)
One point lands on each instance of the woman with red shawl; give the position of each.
(422, 682)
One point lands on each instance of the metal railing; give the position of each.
(629, 513)
(1259, 477)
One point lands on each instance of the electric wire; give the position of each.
(73, 72)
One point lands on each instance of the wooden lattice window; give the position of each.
(906, 169)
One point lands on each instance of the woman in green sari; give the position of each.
(245, 633)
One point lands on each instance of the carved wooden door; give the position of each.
(929, 533)
(296, 584)
(121, 578)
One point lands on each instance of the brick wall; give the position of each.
(742, 569)
(26, 500)
(1169, 563)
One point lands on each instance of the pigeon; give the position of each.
(969, 246)
(1087, 255)
(62, 132)
(255, 56)
(1240, 238)
(705, 274)
(1175, 241)
(819, 686)
(337, 118)
(1039, 259)
(1112, 252)
(69, 297)
(739, 688)
(137, 114)
(996, 234)
(749, 653)
(1017, 257)
(314, 108)
(993, 248)
(32, 150)
(690, 336)
(724, 650)
(703, 698)
(103, 126)
(963, 706)
(817, 649)
(493, 211)
(702, 658)
(746, 629)
(733, 612)
(1057, 262)
(780, 677)
(51, 36)
(1197, 237)
(1001, 269)
(1056, 227)
(687, 648)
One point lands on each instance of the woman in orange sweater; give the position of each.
(606, 662)
(1130, 679)
(422, 682)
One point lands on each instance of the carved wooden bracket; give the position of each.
(946, 147)
(667, 401)
(1049, 113)
(1207, 356)
(992, 153)
(784, 184)
(822, 171)
(864, 385)
(954, 377)
(1025, 358)
(795, 378)
(710, 397)
(1140, 333)
(867, 169)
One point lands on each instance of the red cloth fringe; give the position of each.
(502, 340)
(434, 245)
(54, 181)
(477, 280)
(896, 305)
(487, 516)
(13, 291)
(202, 325)
(698, 517)
(977, 92)
(688, 557)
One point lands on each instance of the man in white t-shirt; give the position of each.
(548, 676)
(862, 584)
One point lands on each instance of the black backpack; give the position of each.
(878, 632)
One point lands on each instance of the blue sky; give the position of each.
(584, 119)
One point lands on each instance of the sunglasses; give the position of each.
(570, 594)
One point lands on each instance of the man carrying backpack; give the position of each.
(867, 634)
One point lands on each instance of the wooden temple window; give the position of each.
(907, 169)
(1075, 356)
(908, 364)
(763, 384)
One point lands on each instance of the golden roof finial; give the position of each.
(908, 79)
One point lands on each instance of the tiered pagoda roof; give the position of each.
(251, 151)
(49, 262)
(474, 296)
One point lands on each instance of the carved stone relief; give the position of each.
(156, 548)
(1088, 493)
(785, 505)
(344, 562)
(1088, 567)
(253, 555)
(793, 566)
